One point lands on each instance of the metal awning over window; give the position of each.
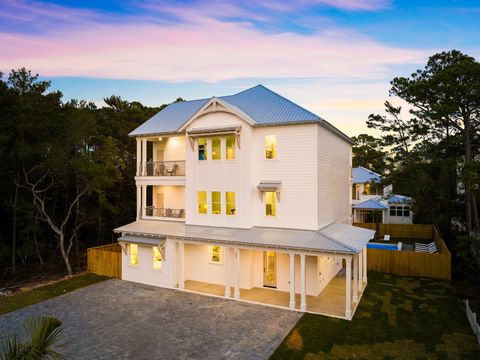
(269, 186)
(142, 240)
(214, 131)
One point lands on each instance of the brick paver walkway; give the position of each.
(123, 320)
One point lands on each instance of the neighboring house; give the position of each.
(372, 203)
(246, 196)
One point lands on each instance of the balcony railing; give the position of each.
(162, 168)
(164, 212)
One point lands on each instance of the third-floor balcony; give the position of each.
(162, 168)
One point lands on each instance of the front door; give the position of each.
(270, 269)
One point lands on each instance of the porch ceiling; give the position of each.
(325, 241)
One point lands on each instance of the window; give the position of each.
(216, 149)
(157, 258)
(133, 254)
(271, 203)
(230, 208)
(400, 211)
(202, 202)
(215, 254)
(230, 145)
(270, 147)
(216, 202)
(202, 149)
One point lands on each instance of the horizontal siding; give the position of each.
(334, 170)
(295, 166)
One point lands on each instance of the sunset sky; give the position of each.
(334, 57)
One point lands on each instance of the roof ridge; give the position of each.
(290, 101)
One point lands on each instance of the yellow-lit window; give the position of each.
(271, 203)
(133, 254)
(215, 254)
(230, 145)
(216, 149)
(202, 149)
(216, 202)
(157, 258)
(202, 202)
(270, 147)
(230, 208)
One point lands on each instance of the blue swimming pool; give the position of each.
(373, 245)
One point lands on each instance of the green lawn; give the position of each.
(398, 318)
(20, 300)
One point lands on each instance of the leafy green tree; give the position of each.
(368, 152)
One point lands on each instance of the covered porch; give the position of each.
(321, 271)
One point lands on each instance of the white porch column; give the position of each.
(360, 271)
(356, 259)
(144, 200)
(227, 271)
(303, 296)
(365, 253)
(236, 260)
(139, 156)
(139, 201)
(292, 281)
(144, 157)
(181, 265)
(348, 288)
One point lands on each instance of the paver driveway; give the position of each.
(123, 320)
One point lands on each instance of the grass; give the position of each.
(398, 318)
(36, 295)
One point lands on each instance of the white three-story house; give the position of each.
(247, 197)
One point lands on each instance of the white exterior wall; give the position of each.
(221, 175)
(144, 272)
(173, 196)
(334, 171)
(296, 167)
(173, 148)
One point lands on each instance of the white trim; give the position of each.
(292, 281)
(214, 100)
(236, 260)
(227, 272)
(303, 296)
(348, 288)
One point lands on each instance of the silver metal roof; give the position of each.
(371, 204)
(363, 175)
(261, 104)
(324, 240)
(269, 185)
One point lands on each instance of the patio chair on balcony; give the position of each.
(173, 171)
(160, 170)
(168, 213)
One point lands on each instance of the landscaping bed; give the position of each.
(38, 294)
(398, 317)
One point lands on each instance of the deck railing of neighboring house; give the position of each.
(410, 263)
(162, 168)
(164, 212)
(105, 260)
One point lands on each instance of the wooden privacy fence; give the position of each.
(105, 260)
(410, 263)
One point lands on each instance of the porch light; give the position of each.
(159, 139)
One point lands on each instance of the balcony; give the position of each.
(164, 213)
(162, 168)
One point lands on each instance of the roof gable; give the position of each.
(363, 175)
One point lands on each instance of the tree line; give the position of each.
(432, 151)
(67, 172)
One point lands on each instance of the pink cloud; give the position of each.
(199, 47)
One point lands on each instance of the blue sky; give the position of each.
(335, 57)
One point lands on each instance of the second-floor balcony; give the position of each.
(164, 213)
(162, 168)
